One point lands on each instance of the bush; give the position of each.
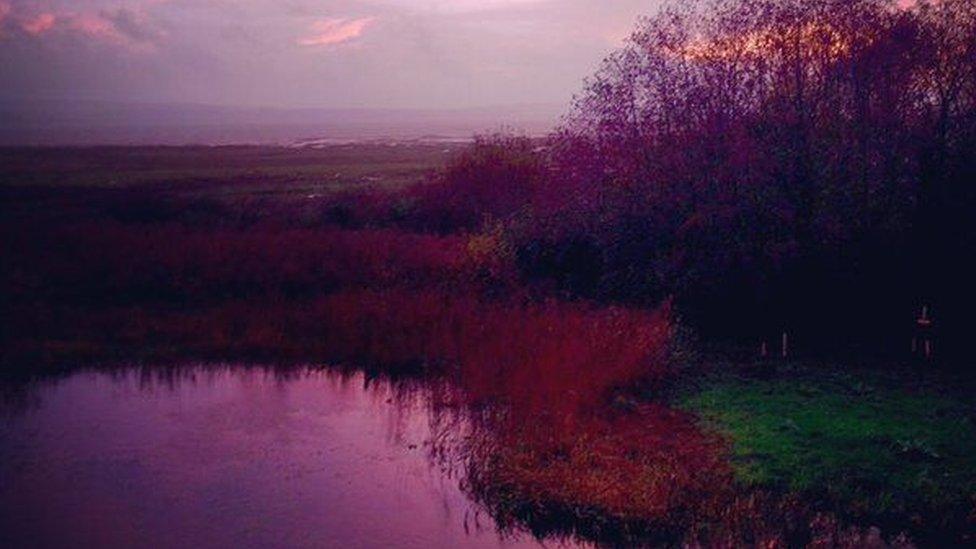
(495, 177)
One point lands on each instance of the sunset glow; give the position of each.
(335, 31)
(40, 24)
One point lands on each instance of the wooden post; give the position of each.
(922, 339)
(786, 345)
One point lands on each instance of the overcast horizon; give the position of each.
(337, 54)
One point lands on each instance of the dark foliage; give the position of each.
(493, 178)
(776, 165)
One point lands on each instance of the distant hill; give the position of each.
(106, 123)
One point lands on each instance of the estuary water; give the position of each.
(229, 457)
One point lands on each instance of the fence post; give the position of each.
(922, 343)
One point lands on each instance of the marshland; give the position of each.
(725, 302)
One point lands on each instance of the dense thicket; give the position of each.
(494, 177)
(805, 165)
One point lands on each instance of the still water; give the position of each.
(228, 457)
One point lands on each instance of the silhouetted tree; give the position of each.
(773, 163)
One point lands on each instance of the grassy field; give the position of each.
(233, 184)
(862, 443)
(260, 169)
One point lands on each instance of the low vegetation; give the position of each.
(871, 447)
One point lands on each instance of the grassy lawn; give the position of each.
(860, 443)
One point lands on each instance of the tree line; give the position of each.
(775, 165)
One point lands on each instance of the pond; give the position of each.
(230, 456)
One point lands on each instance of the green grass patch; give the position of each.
(858, 443)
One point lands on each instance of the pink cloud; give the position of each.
(39, 24)
(128, 28)
(124, 28)
(96, 26)
(336, 31)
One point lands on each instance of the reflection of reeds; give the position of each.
(644, 476)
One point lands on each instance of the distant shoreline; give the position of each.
(94, 124)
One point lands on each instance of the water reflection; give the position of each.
(232, 456)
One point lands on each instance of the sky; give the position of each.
(423, 54)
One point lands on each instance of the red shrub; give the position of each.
(109, 261)
(553, 361)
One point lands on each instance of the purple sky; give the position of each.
(308, 53)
